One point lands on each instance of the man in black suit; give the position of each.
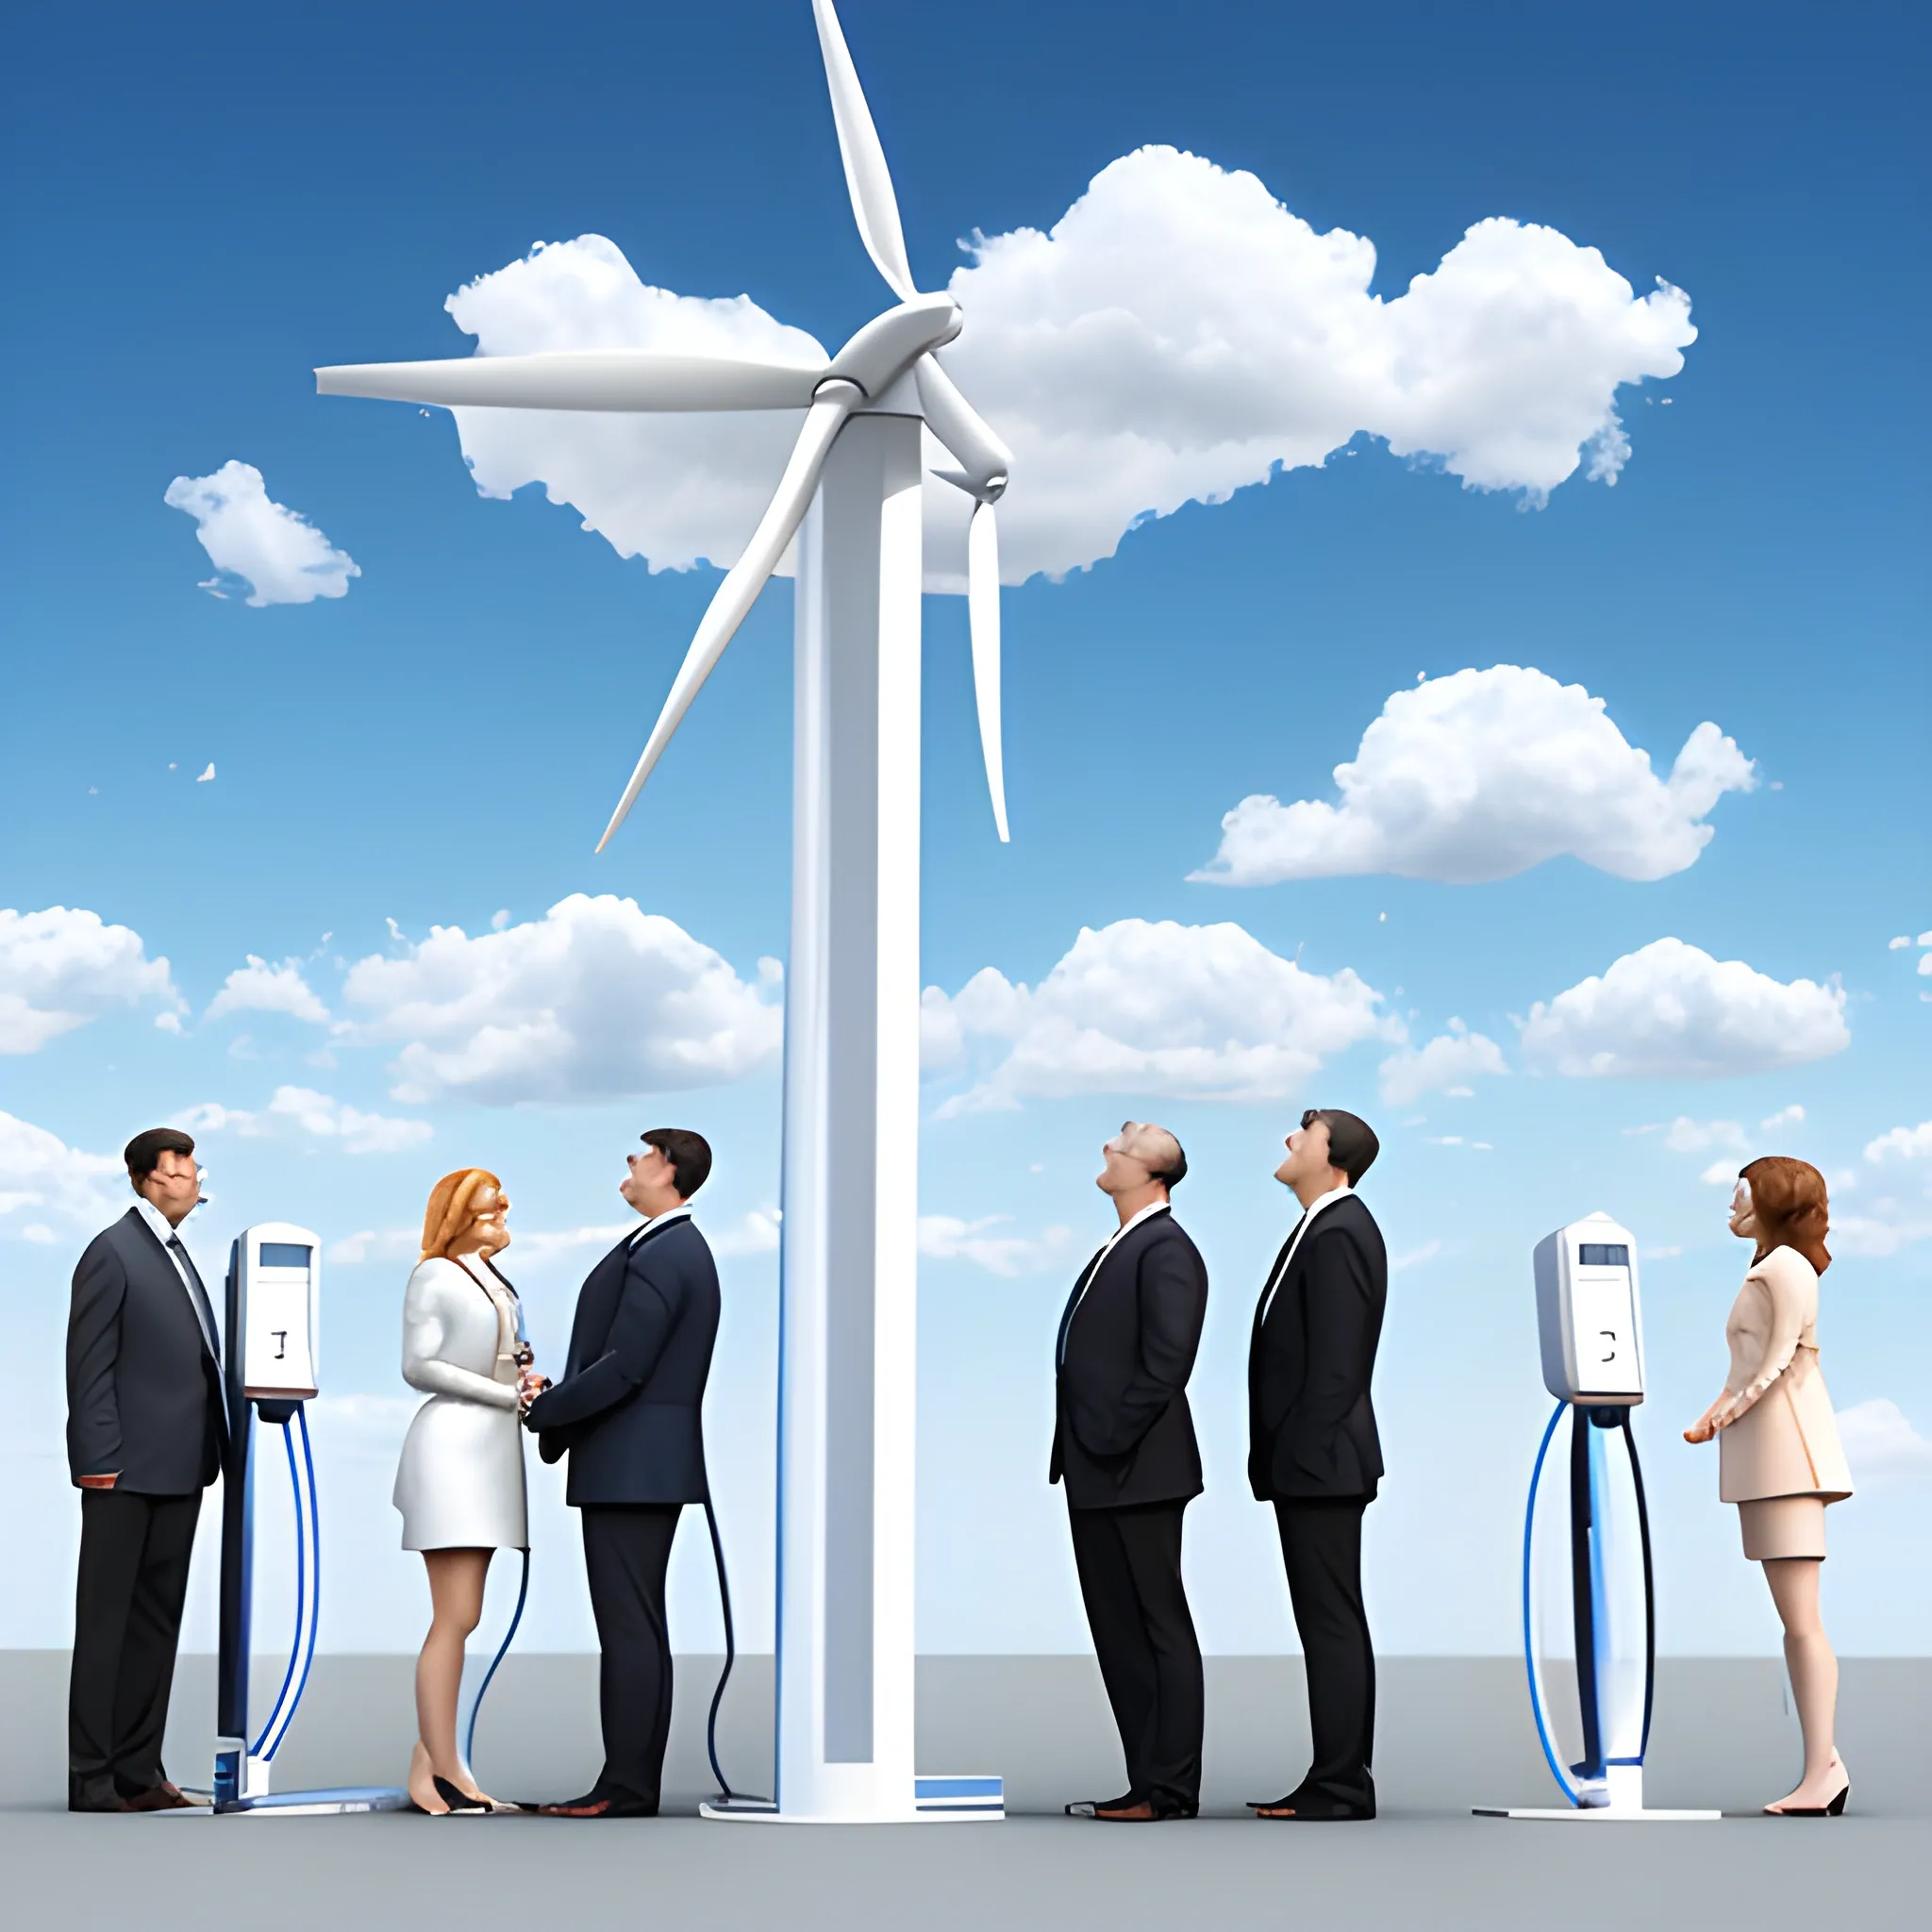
(628, 1413)
(145, 1432)
(1312, 1447)
(1123, 1442)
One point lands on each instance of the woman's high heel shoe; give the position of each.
(459, 1802)
(1836, 1809)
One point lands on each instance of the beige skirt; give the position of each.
(1783, 1526)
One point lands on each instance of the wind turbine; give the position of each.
(848, 1260)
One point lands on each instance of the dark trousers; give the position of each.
(1129, 1562)
(128, 1599)
(626, 1552)
(1321, 1547)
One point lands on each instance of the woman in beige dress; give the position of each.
(1778, 1454)
(460, 1484)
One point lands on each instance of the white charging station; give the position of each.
(271, 1359)
(1588, 1607)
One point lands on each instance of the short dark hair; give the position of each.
(143, 1153)
(1176, 1171)
(688, 1154)
(1352, 1143)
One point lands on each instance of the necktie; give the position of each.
(204, 1312)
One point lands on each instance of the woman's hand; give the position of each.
(1713, 1418)
(529, 1385)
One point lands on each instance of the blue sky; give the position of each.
(202, 205)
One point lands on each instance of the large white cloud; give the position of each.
(40, 1174)
(259, 987)
(1166, 1010)
(1176, 335)
(1671, 1011)
(1881, 1445)
(1482, 775)
(1901, 1143)
(593, 1000)
(277, 551)
(64, 966)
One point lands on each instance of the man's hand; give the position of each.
(99, 1482)
(529, 1385)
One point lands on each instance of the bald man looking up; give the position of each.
(1124, 1443)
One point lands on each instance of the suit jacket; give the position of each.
(629, 1408)
(1123, 1432)
(144, 1395)
(1311, 1426)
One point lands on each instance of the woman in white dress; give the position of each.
(459, 1485)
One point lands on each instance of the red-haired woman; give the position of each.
(1778, 1454)
(459, 1485)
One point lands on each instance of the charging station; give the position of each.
(1589, 1603)
(273, 1301)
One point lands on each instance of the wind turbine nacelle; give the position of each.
(889, 345)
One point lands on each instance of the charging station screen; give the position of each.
(1590, 1254)
(285, 1255)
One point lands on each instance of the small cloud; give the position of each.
(168, 1023)
(1785, 1116)
(173, 766)
(1903, 940)
(259, 987)
(499, 919)
(946, 1237)
(277, 552)
(207, 777)
(388, 1245)
(756, 1234)
(1881, 1445)
(1719, 1173)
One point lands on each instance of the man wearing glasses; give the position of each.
(1124, 1442)
(145, 1432)
(1312, 1448)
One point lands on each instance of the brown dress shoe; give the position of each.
(160, 1797)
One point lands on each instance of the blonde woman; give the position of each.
(459, 1485)
(1778, 1454)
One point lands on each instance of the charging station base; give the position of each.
(935, 1800)
(328, 1803)
(1608, 1814)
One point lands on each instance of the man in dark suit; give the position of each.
(145, 1432)
(1124, 1442)
(629, 1413)
(1312, 1447)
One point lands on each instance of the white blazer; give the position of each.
(461, 1482)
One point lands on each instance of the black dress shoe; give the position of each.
(1299, 1807)
(94, 1795)
(1092, 1807)
(602, 1803)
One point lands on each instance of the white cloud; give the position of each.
(1480, 776)
(1200, 1012)
(946, 1237)
(1906, 1144)
(372, 1244)
(259, 987)
(755, 1233)
(62, 967)
(1876, 1237)
(1444, 1064)
(313, 1113)
(1176, 335)
(1898, 944)
(1686, 1136)
(1880, 1444)
(207, 775)
(1719, 1173)
(278, 553)
(1792, 1116)
(594, 1000)
(38, 1170)
(1671, 1011)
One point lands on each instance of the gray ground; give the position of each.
(1454, 1732)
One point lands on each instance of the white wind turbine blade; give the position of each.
(580, 379)
(746, 578)
(866, 176)
(984, 461)
(983, 616)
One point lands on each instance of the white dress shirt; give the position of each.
(658, 1221)
(167, 1233)
(1315, 1207)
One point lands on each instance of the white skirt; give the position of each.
(459, 1485)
